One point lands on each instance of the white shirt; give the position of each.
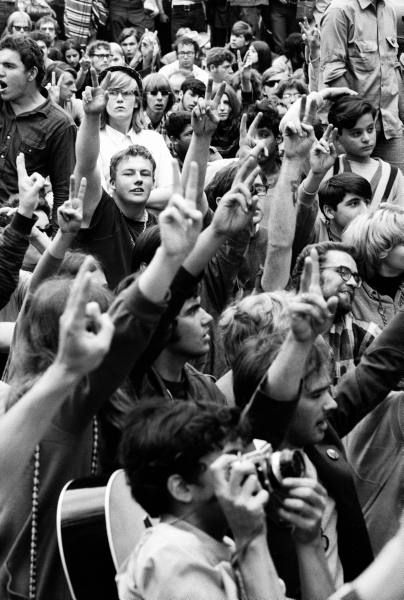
(113, 141)
(173, 67)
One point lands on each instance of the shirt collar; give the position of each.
(366, 3)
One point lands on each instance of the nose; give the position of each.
(159, 95)
(206, 318)
(365, 136)
(352, 283)
(329, 402)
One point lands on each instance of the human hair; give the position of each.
(128, 32)
(243, 28)
(270, 117)
(256, 355)
(73, 260)
(70, 44)
(186, 41)
(221, 183)
(347, 110)
(322, 249)
(264, 55)
(157, 82)
(145, 248)
(97, 45)
(176, 123)
(37, 338)
(18, 14)
(39, 35)
(163, 439)
(374, 235)
(294, 45)
(289, 84)
(30, 54)
(234, 101)
(58, 67)
(47, 19)
(117, 80)
(217, 56)
(334, 190)
(249, 316)
(195, 85)
(135, 150)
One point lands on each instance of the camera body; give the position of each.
(273, 467)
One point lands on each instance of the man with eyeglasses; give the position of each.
(187, 50)
(348, 337)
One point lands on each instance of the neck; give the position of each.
(155, 118)
(335, 229)
(121, 125)
(136, 212)
(169, 365)
(387, 271)
(367, 160)
(29, 101)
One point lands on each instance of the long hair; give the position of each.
(37, 337)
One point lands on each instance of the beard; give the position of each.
(344, 305)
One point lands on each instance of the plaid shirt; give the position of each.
(348, 338)
(161, 127)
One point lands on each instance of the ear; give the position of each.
(112, 183)
(329, 212)
(32, 73)
(180, 95)
(179, 489)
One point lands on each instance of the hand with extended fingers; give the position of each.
(85, 333)
(204, 116)
(70, 214)
(298, 137)
(95, 97)
(29, 187)
(303, 508)
(181, 222)
(54, 87)
(250, 143)
(85, 63)
(323, 153)
(237, 207)
(311, 315)
(244, 65)
(312, 39)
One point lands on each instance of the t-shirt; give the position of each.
(111, 238)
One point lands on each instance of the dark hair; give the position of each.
(128, 32)
(195, 85)
(58, 67)
(221, 183)
(145, 247)
(187, 41)
(294, 45)
(264, 55)
(346, 111)
(334, 190)
(39, 35)
(290, 83)
(93, 46)
(70, 44)
(157, 82)
(30, 54)
(176, 123)
(135, 150)
(217, 56)
(270, 117)
(162, 439)
(322, 249)
(243, 28)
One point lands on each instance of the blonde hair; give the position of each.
(374, 235)
(250, 316)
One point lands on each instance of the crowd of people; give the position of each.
(201, 283)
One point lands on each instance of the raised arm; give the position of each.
(88, 144)
(79, 352)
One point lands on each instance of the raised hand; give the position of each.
(237, 207)
(85, 333)
(250, 144)
(181, 222)
(29, 187)
(70, 214)
(54, 87)
(85, 63)
(204, 116)
(303, 508)
(323, 153)
(312, 38)
(95, 97)
(299, 136)
(311, 315)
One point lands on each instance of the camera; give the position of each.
(273, 467)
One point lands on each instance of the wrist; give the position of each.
(170, 259)
(60, 371)
(25, 212)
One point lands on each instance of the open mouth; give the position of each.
(3, 85)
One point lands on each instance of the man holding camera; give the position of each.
(184, 465)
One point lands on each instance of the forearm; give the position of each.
(310, 186)
(51, 260)
(259, 576)
(155, 281)
(24, 424)
(315, 578)
(281, 227)
(283, 383)
(208, 243)
(198, 152)
(87, 145)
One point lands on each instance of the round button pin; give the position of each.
(333, 454)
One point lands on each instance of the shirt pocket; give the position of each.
(35, 151)
(392, 50)
(364, 56)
